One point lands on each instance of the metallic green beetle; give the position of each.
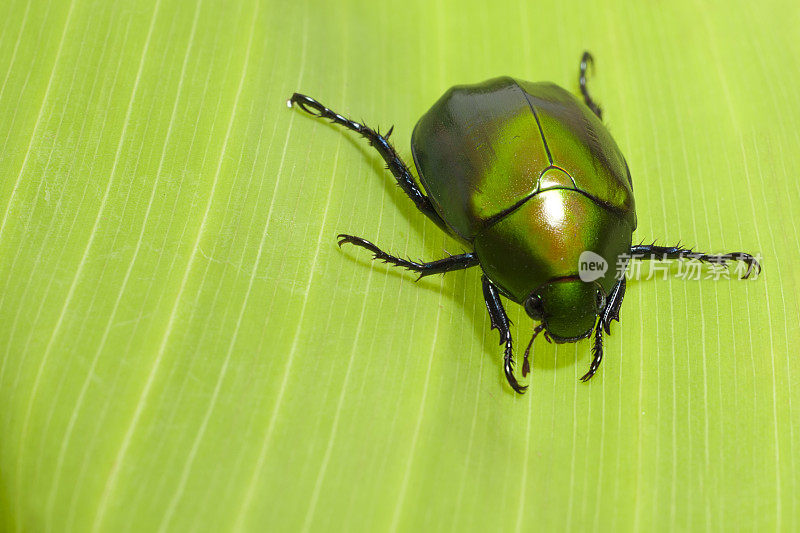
(527, 177)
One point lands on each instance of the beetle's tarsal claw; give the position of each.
(310, 106)
(508, 367)
(597, 352)
(343, 239)
(752, 265)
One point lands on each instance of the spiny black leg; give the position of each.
(393, 162)
(651, 251)
(597, 351)
(610, 312)
(454, 262)
(613, 304)
(586, 61)
(500, 322)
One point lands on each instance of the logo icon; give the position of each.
(591, 266)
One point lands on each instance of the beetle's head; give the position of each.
(567, 307)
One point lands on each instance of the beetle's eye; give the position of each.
(600, 300)
(533, 306)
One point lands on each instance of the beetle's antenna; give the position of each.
(526, 367)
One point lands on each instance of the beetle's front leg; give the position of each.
(597, 351)
(613, 305)
(651, 251)
(610, 312)
(440, 266)
(500, 322)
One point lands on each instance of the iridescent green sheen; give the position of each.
(544, 238)
(478, 151)
(528, 176)
(580, 144)
(569, 308)
(483, 148)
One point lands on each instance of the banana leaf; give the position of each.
(184, 347)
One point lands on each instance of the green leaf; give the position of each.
(184, 347)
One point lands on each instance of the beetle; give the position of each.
(527, 177)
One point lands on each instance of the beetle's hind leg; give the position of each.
(500, 322)
(651, 251)
(448, 264)
(586, 61)
(381, 143)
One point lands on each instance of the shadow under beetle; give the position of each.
(527, 177)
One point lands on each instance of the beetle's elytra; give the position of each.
(526, 176)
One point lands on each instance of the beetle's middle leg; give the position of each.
(587, 60)
(381, 143)
(448, 264)
(500, 322)
(651, 251)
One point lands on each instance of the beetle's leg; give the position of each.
(454, 262)
(500, 322)
(597, 351)
(651, 251)
(587, 60)
(393, 162)
(611, 311)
